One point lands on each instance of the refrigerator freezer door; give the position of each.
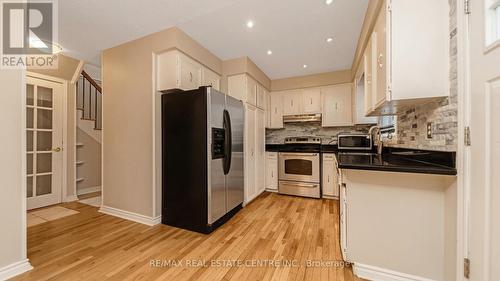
(216, 181)
(235, 177)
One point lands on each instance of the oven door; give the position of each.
(303, 167)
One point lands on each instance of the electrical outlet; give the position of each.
(429, 130)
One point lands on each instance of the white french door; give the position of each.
(484, 102)
(44, 157)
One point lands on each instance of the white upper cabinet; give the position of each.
(190, 73)
(337, 105)
(292, 101)
(261, 97)
(251, 90)
(311, 100)
(244, 88)
(210, 78)
(236, 87)
(175, 70)
(362, 90)
(276, 110)
(410, 55)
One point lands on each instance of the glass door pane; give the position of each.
(39, 108)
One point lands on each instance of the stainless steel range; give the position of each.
(299, 167)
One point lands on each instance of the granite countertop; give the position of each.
(391, 160)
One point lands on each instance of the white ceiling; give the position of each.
(295, 30)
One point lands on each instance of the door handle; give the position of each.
(305, 185)
(57, 149)
(311, 101)
(328, 178)
(190, 76)
(298, 154)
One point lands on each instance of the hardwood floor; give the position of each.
(94, 246)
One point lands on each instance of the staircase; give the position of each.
(89, 129)
(89, 100)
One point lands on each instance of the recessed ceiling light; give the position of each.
(249, 24)
(329, 39)
(269, 52)
(328, 2)
(304, 66)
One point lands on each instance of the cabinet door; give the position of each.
(250, 174)
(276, 113)
(380, 95)
(251, 91)
(328, 177)
(337, 105)
(236, 87)
(311, 100)
(272, 171)
(190, 73)
(368, 66)
(210, 78)
(343, 222)
(260, 143)
(261, 97)
(291, 102)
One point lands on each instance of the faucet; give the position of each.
(378, 139)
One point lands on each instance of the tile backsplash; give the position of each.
(309, 129)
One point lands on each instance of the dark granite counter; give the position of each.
(391, 160)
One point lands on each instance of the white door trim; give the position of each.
(463, 151)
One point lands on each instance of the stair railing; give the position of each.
(89, 99)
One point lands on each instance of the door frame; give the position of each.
(463, 151)
(64, 187)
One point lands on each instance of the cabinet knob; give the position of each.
(380, 60)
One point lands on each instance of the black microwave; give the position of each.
(350, 141)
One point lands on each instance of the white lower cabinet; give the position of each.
(330, 176)
(272, 171)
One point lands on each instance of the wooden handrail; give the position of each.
(92, 81)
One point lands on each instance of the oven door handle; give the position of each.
(312, 185)
(298, 154)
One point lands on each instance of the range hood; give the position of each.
(302, 118)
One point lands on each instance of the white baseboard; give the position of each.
(71, 198)
(330, 197)
(15, 269)
(380, 274)
(87, 190)
(272, 190)
(130, 216)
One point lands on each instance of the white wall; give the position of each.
(12, 170)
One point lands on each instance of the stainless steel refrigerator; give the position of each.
(202, 158)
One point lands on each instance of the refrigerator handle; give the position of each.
(227, 143)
